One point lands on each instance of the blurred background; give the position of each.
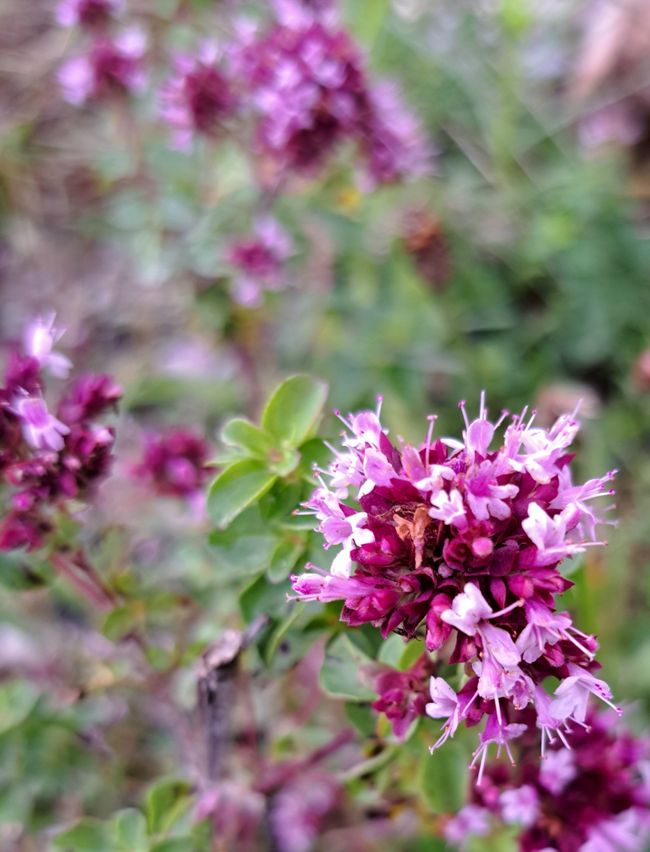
(517, 261)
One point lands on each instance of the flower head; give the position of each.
(198, 98)
(403, 695)
(460, 542)
(41, 429)
(87, 13)
(47, 459)
(308, 88)
(259, 260)
(174, 462)
(110, 67)
(40, 338)
(591, 798)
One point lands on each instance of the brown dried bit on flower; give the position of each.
(416, 530)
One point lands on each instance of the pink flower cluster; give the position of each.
(109, 66)
(47, 459)
(175, 463)
(403, 696)
(300, 83)
(258, 261)
(594, 797)
(87, 13)
(461, 543)
(198, 98)
(308, 89)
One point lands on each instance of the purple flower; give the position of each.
(573, 693)
(444, 704)
(544, 628)
(38, 342)
(300, 809)
(549, 534)
(520, 806)
(89, 396)
(556, 770)
(259, 261)
(471, 821)
(174, 463)
(449, 508)
(403, 695)
(41, 429)
(461, 541)
(22, 530)
(396, 145)
(110, 67)
(46, 460)
(589, 799)
(468, 609)
(198, 98)
(307, 86)
(500, 734)
(87, 13)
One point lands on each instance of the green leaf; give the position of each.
(340, 673)
(175, 844)
(240, 432)
(289, 640)
(236, 488)
(294, 408)
(411, 651)
(391, 650)
(131, 831)
(263, 598)
(17, 699)
(123, 620)
(17, 574)
(279, 504)
(245, 548)
(362, 717)
(88, 835)
(366, 24)
(284, 558)
(166, 802)
(443, 778)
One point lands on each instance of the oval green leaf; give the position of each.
(340, 674)
(240, 432)
(236, 488)
(293, 410)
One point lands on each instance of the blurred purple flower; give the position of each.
(593, 798)
(395, 143)
(41, 429)
(38, 343)
(87, 13)
(471, 821)
(198, 97)
(259, 261)
(44, 459)
(111, 66)
(89, 396)
(520, 806)
(306, 82)
(174, 463)
(300, 809)
(403, 695)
